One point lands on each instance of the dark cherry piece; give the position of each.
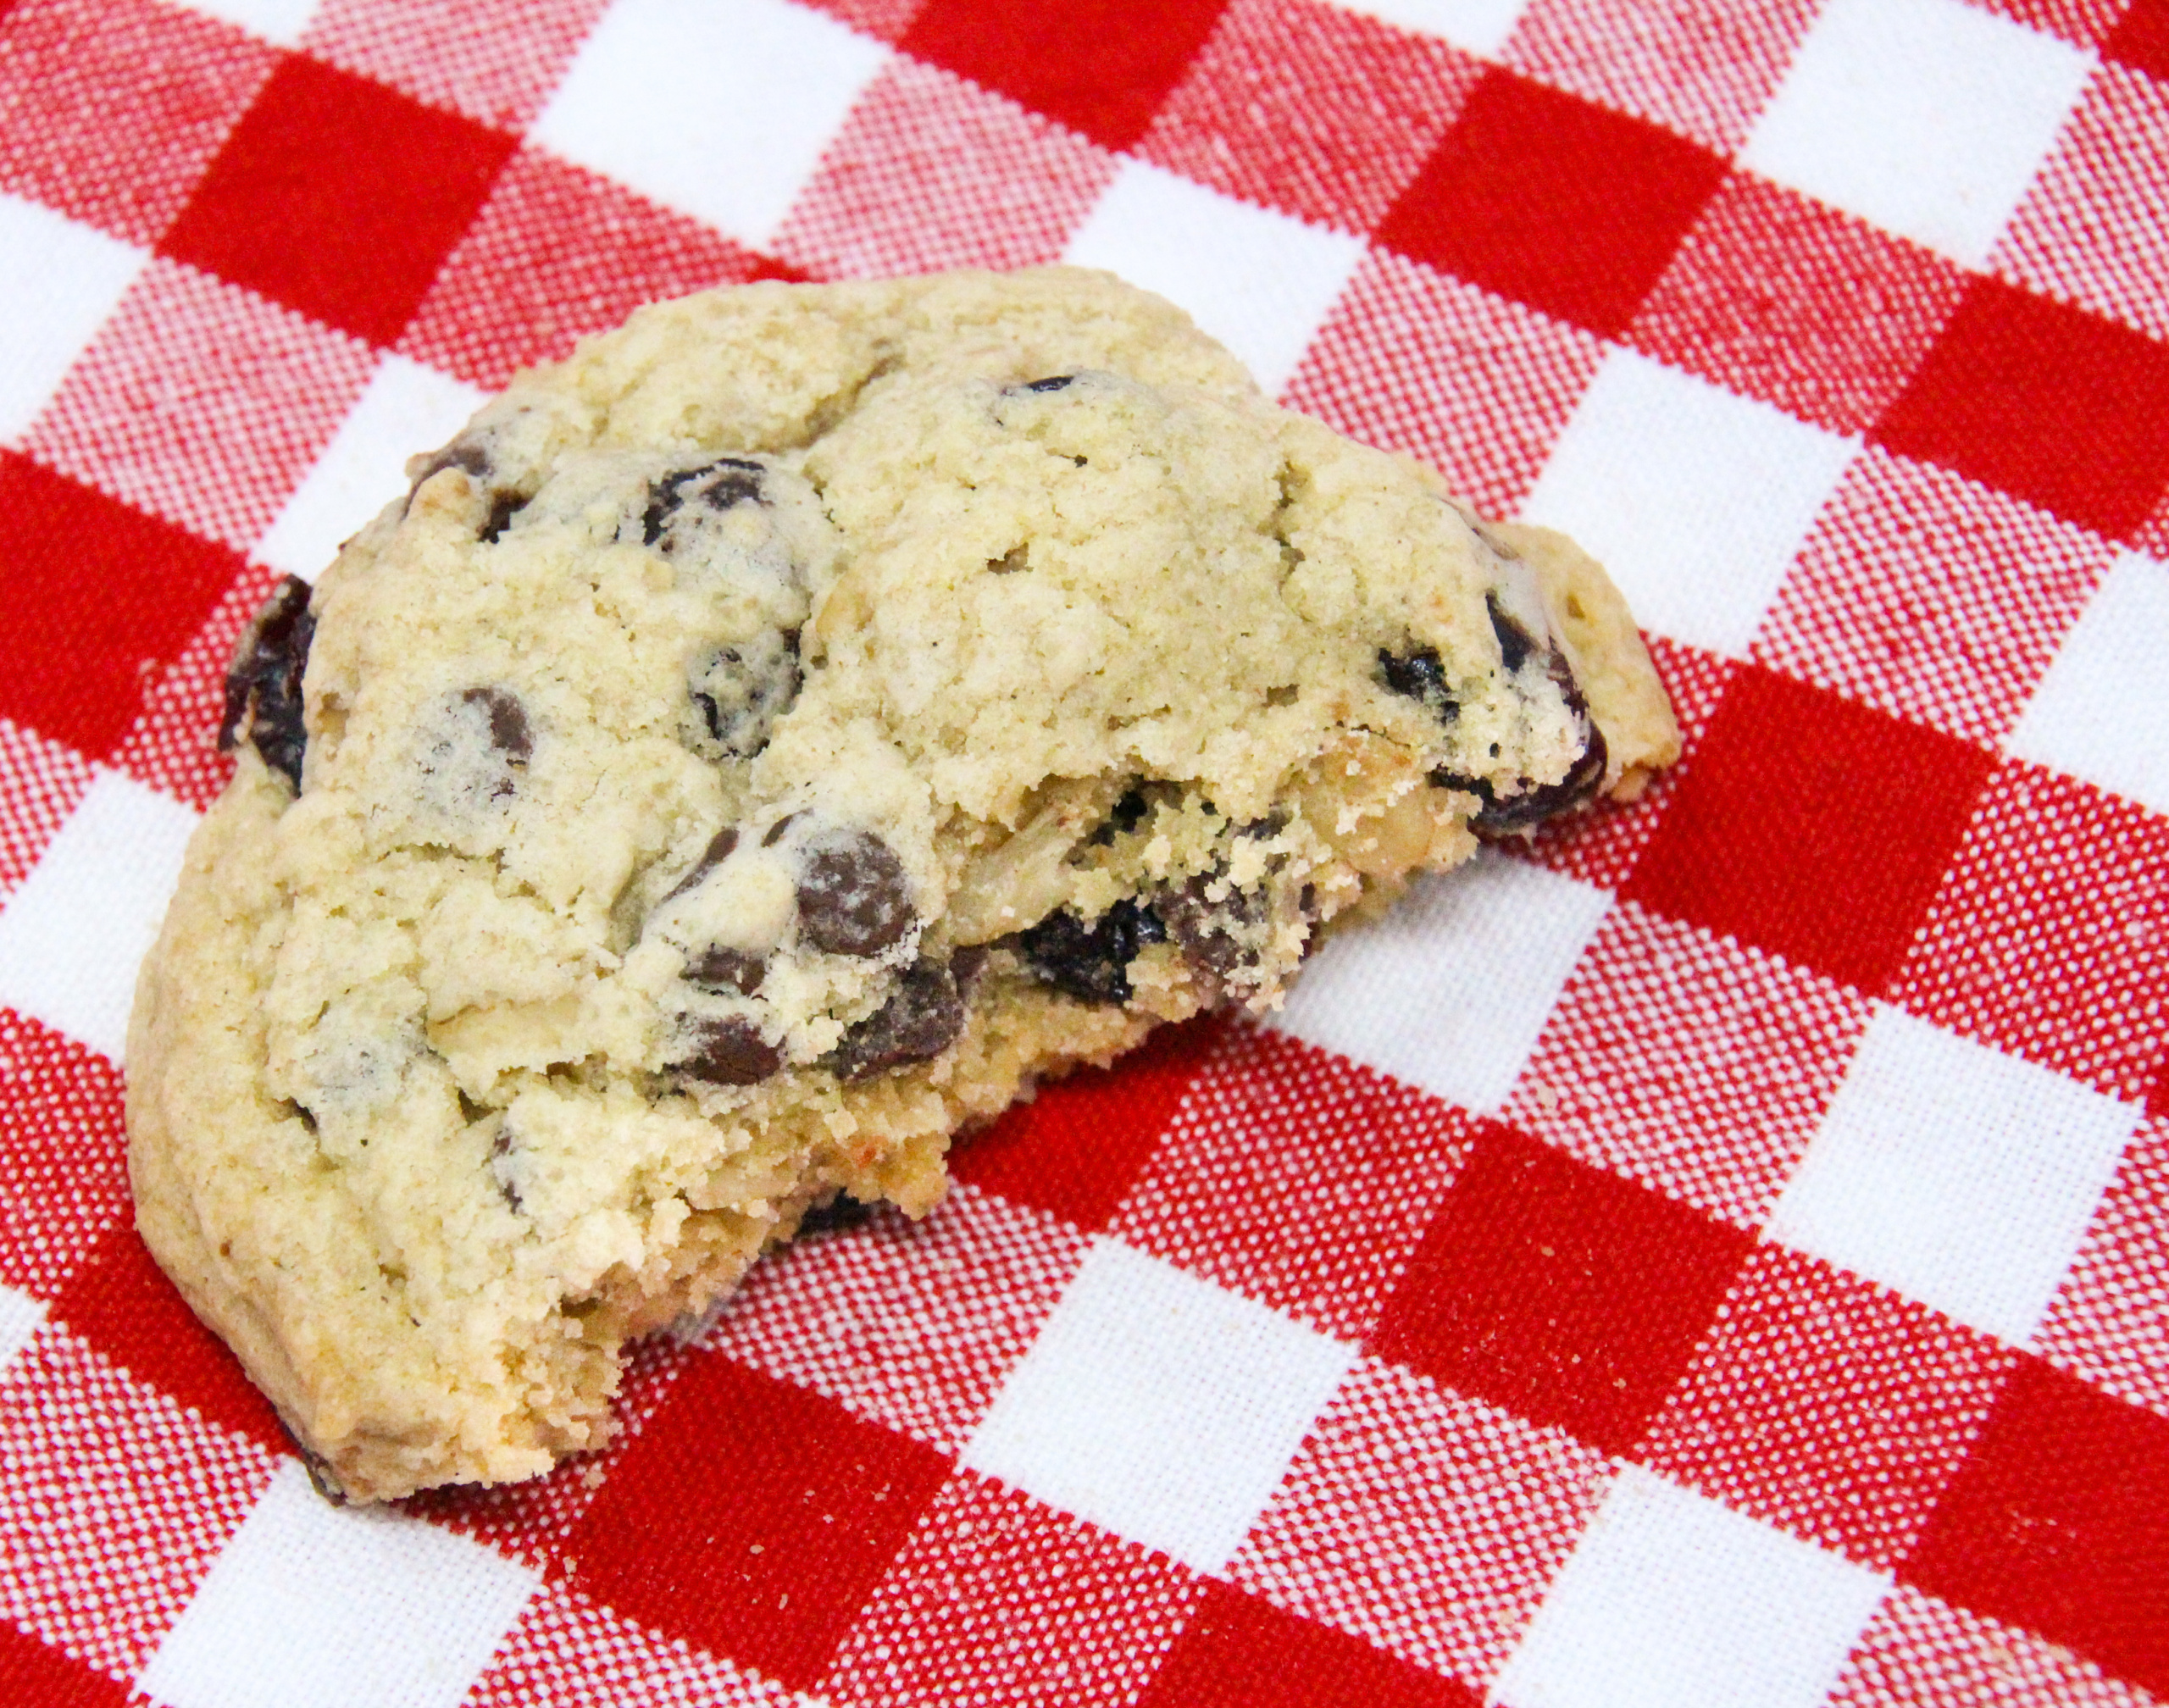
(729, 1050)
(853, 895)
(918, 1022)
(1091, 962)
(264, 682)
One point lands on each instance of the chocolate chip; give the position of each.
(321, 1477)
(1515, 643)
(503, 507)
(775, 831)
(264, 682)
(501, 1149)
(728, 1050)
(853, 895)
(836, 1215)
(508, 731)
(1210, 933)
(716, 486)
(741, 689)
(1420, 675)
(920, 1020)
(967, 963)
(718, 850)
(1053, 382)
(1091, 962)
(718, 968)
(467, 455)
(1126, 815)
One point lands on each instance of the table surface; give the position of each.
(1716, 1255)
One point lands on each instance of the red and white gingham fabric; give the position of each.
(1717, 1256)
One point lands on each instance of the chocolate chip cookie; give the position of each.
(756, 750)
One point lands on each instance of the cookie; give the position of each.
(757, 750)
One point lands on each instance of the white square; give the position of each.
(1962, 1177)
(719, 107)
(1260, 282)
(1478, 26)
(19, 1315)
(2102, 711)
(281, 21)
(1158, 1406)
(1694, 498)
(405, 407)
(337, 1608)
(59, 281)
(1927, 118)
(1451, 990)
(1670, 1600)
(73, 935)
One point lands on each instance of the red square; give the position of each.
(122, 1303)
(2094, 228)
(1297, 1178)
(1601, 844)
(111, 109)
(201, 403)
(1098, 66)
(1553, 201)
(931, 172)
(497, 72)
(63, 1172)
(92, 588)
(753, 1518)
(1077, 1147)
(32, 1672)
(2107, 1322)
(1931, 597)
(885, 20)
(2060, 407)
(1477, 387)
(114, 1503)
(1918, 1652)
(1562, 1292)
(1691, 1063)
(2049, 938)
(1705, 68)
(315, 201)
(557, 253)
(1836, 1408)
(567, 1651)
(41, 782)
(2060, 1522)
(1777, 296)
(911, 1324)
(1424, 1521)
(2083, 23)
(2141, 38)
(174, 744)
(995, 1598)
(1811, 826)
(1240, 1652)
(1311, 108)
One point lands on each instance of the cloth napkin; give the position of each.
(1716, 1255)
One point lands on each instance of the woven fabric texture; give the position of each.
(1718, 1254)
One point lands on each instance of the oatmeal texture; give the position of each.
(758, 748)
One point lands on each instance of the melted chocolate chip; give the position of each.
(464, 454)
(503, 507)
(920, 1020)
(1532, 807)
(716, 486)
(508, 731)
(1515, 643)
(967, 964)
(718, 968)
(853, 895)
(500, 1149)
(742, 690)
(1208, 931)
(729, 1050)
(718, 850)
(1053, 382)
(1091, 962)
(264, 682)
(838, 1214)
(1126, 815)
(1420, 675)
(775, 831)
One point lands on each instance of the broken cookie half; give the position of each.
(758, 748)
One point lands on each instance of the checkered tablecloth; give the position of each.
(1719, 1256)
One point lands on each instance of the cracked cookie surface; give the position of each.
(757, 748)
